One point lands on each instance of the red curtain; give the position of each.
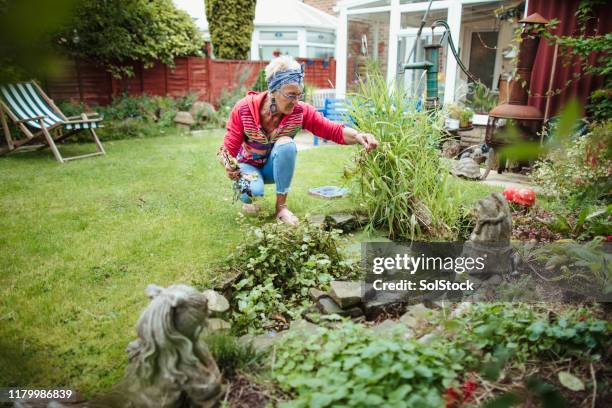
(564, 11)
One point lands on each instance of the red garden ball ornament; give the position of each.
(522, 196)
(510, 193)
(525, 196)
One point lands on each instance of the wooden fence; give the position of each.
(89, 83)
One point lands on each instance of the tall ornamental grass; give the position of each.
(403, 185)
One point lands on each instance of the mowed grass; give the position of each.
(81, 241)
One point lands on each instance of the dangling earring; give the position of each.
(273, 107)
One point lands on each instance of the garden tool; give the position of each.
(243, 184)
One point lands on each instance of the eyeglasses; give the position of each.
(292, 96)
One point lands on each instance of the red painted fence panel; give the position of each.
(86, 82)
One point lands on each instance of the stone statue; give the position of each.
(168, 366)
(491, 237)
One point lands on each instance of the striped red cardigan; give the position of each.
(246, 140)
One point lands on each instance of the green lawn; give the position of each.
(81, 241)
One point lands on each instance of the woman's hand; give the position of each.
(368, 141)
(233, 173)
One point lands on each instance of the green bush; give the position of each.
(129, 117)
(578, 170)
(278, 265)
(403, 186)
(117, 32)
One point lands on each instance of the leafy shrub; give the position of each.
(353, 366)
(117, 32)
(600, 106)
(482, 99)
(185, 102)
(403, 185)
(130, 117)
(578, 170)
(279, 264)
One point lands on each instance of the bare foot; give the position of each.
(287, 217)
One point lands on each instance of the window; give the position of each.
(278, 35)
(319, 52)
(266, 52)
(320, 37)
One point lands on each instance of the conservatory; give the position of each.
(386, 31)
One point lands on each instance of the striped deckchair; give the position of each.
(42, 123)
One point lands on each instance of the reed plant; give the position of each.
(403, 186)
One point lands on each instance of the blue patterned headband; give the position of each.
(293, 76)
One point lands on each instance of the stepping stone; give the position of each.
(217, 303)
(215, 324)
(317, 220)
(315, 294)
(327, 306)
(345, 222)
(375, 305)
(345, 293)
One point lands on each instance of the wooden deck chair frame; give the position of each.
(48, 135)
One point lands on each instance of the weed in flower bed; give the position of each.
(354, 366)
(278, 265)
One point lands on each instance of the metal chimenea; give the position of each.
(528, 119)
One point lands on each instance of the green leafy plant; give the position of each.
(354, 366)
(115, 33)
(403, 185)
(587, 265)
(578, 170)
(482, 99)
(278, 265)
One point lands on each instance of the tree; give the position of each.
(116, 33)
(25, 38)
(231, 25)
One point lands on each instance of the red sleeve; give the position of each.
(316, 123)
(234, 136)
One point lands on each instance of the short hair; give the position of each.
(281, 64)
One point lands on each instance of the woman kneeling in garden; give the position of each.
(260, 133)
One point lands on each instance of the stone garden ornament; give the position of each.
(466, 167)
(168, 366)
(491, 238)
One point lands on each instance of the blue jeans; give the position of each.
(278, 169)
